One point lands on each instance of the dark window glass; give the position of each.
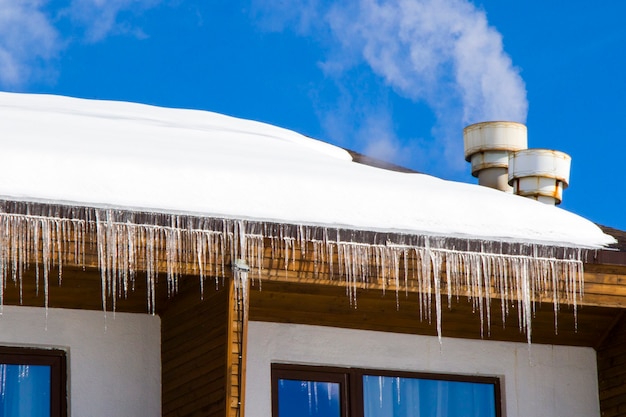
(341, 392)
(385, 396)
(308, 398)
(32, 382)
(24, 390)
(306, 391)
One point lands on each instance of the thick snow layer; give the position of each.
(113, 154)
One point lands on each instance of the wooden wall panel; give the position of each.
(612, 371)
(374, 310)
(194, 343)
(237, 356)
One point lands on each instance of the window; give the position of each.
(32, 382)
(342, 392)
(309, 391)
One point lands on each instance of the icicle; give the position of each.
(46, 236)
(151, 253)
(310, 396)
(435, 259)
(102, 264)
(201, 260)
(240, 277)
(398, 386)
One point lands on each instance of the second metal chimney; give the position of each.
(540, 174)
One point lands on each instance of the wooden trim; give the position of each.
(232, 323)
(194, 350)
(237, 353)
(604, 288)
(611, 361)
(616, 321)
(356, 394)
(609, 257)
(243, 355)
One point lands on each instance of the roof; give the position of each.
(619, 235)
(77, 152)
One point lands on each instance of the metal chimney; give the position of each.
(487, 147)
(540, 174)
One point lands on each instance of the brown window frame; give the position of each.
(56, 359)
(312, 373)
(351, 383)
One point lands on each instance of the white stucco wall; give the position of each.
(112, 371)
(550, 381)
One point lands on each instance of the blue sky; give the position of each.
(397, 80)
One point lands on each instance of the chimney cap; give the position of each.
(545, 163)
(494, 136)
(541, 174)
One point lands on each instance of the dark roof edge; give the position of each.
(619, 235)
(615, 254)
(378, 163)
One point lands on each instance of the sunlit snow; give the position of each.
(146, 184)
(112, 154)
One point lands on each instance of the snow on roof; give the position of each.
(134, 156)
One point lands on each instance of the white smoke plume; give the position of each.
(441, 52)
(26, 38)
(433, 50)
(100, 18)
(30, 39)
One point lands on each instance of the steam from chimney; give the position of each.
(436, 50)
(440, 52)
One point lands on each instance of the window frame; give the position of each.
(56, 359)
(351, 383)
(313, 373)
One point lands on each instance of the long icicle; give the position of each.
(127, 242)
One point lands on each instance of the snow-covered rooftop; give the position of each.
(139, 157)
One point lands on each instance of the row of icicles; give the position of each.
(431, 267)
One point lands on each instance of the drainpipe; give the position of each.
(241, 286)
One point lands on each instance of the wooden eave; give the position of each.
(605, 273)
(299, 294)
